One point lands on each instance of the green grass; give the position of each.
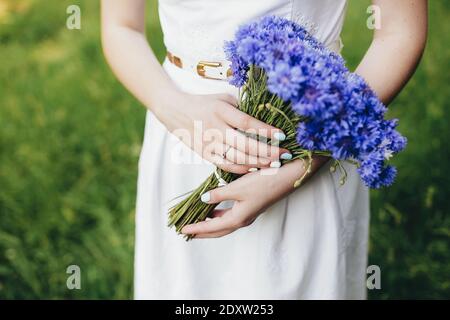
(70, 137)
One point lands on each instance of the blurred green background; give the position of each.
(70, 138)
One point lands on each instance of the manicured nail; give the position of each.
(206, 197)
(275, 164)
(252, 169)
(286, 156)
(280, 136)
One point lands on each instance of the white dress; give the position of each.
(310, 245)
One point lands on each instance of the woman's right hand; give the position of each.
(208, 125)
(134, 63)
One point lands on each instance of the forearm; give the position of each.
(396, 48)
(134, 63)
(388, 65)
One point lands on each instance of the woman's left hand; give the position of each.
(253, 193)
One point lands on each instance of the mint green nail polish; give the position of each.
(206, 197)
(286, 156)
(275, 164)
(280, 136)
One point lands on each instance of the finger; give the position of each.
(227, 192)
(254, 147)
(215, 225)
(216, 157)
(213, 234)
(239, 157)
(228, 98)
(227, 165)
(219, 213)
(216, 214)
(244, 122)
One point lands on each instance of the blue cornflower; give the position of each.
(285, 81)
(344, 116)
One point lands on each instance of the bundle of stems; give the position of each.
(258, 102)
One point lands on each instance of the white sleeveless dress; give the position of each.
(310, 245)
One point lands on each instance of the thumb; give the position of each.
(218, 195)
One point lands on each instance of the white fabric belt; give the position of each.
(220, 70)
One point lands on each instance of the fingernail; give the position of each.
(286, 156)
(252, 169)
(275, 164)
(280, 136)
(206, 197)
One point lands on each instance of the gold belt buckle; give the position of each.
(203, 66)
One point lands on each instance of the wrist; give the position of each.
(297, 168)
(166, 103)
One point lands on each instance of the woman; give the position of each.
(308, 244)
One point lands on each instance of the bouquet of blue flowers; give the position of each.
(290, 80)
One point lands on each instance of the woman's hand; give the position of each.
(213, 127)
(206, 123)
(253, 193)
